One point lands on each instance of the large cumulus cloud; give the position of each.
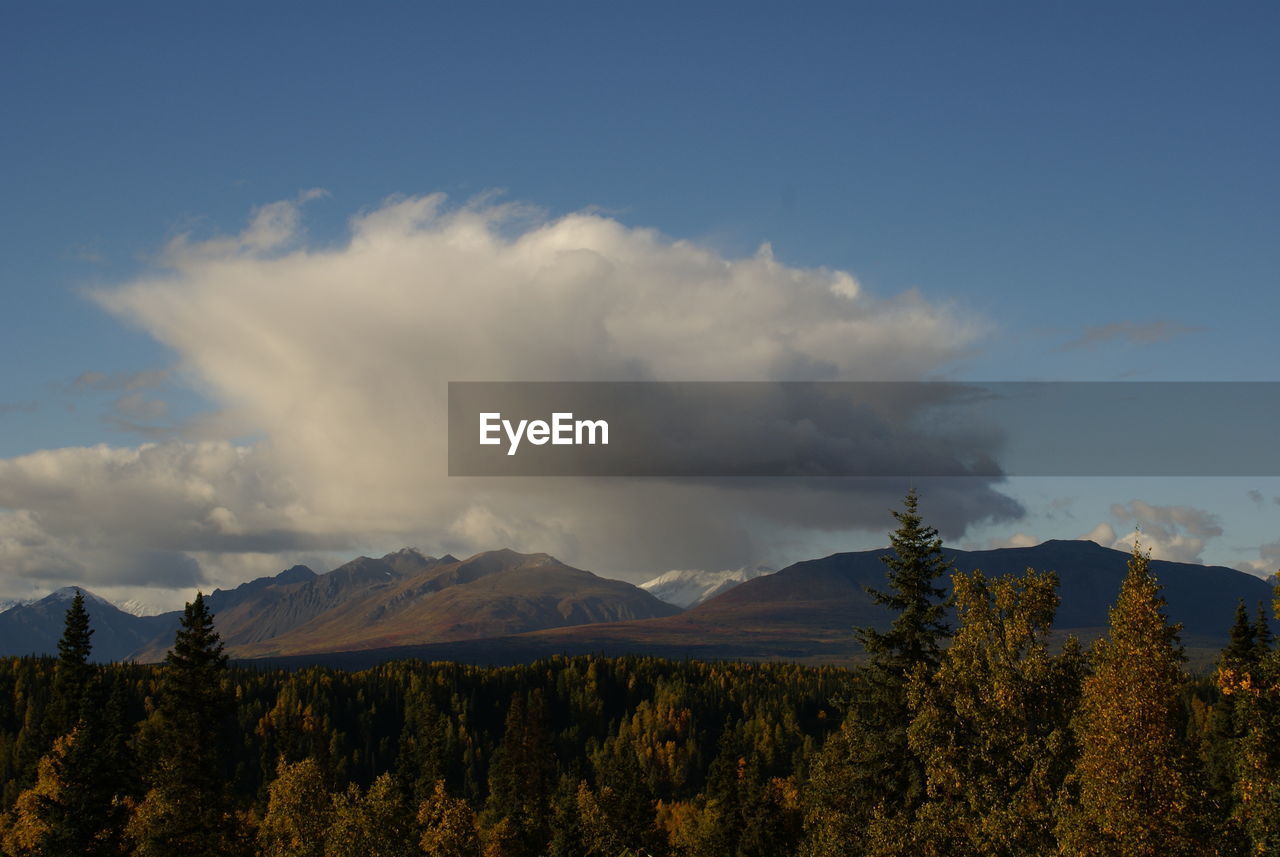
(336, 359)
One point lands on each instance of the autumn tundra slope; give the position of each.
(491, 594)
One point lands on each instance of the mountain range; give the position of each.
(502, 606)
(403, 598)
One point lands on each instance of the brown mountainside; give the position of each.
(405, 599)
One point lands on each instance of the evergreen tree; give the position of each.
(421, 761)
(623, 795)
(1262, 637)
(522, 776)
(1133, 791)
(73, 673)
(1242, 646)
(868, 773)
(186, 811)
(1224, 727)
(919, 626)
(567, 835)
(114, 743)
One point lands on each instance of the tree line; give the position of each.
(982, 739)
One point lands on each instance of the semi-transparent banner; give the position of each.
(706, 429)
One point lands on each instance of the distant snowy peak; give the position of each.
(690, 587)
(134, 607)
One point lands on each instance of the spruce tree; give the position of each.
(1224, 726)
(919, 626)
(115, 745)
(1262, 637)
(421, 760)
(522, 776)
(866, 774)
(1242, 645)
(623, 790)
(186, 811)
(567, 836)
(1133, 791)
(73, 673)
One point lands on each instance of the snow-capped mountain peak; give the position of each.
(690, 587)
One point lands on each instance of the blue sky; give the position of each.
(1095, 184)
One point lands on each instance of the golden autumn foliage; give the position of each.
(29, 831)
(991, 725)
(1133, 791)
(299, 812)
(371, 823)
(448, 826)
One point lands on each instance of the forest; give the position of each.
(966, 731)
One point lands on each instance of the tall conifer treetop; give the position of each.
(197, 645)
(1261, 633)
(919, 626)
(186, 810)
(73, 675)
(75, 646)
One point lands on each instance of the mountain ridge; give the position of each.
(499, 604)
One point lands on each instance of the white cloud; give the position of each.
(338, 358)
(1104, 534)
(1174, 533)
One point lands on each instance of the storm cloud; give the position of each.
(336, 360)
